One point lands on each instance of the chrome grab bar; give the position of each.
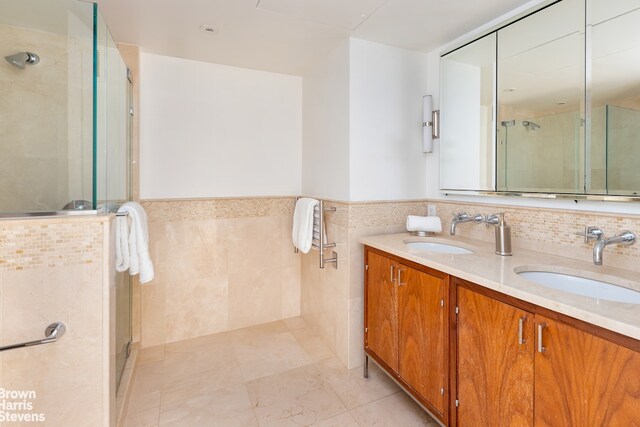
(53, 332)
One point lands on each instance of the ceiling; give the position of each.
(288, 36)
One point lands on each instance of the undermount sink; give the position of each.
(582, 286)
(442, 248)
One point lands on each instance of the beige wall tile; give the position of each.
(221, 264)
(39, 286)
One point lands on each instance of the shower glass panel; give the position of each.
(46, 104)
(112, 178)
(550, 140)
(623, 150)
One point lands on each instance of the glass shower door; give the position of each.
(112, 158)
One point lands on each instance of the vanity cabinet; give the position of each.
(523, 365)
(476, 357)
(406, 326)
(495, 362)
(381, 322)
(584, 380)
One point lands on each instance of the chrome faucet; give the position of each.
(591, 233)
(464, 217)
(623, 238)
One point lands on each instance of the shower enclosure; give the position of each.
(64, 120)
(550, 139)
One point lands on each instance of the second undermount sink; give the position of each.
(582, 286)
(443, 248)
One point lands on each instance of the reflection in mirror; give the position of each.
(614, 138)
(467, 149)
(540, 95)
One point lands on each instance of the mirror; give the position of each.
(614, 131)
(567, 97)
(467, 153)
(540, 97)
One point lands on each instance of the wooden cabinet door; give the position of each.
(583, 381)
(495, 371)
(381, 309)
(422, 333)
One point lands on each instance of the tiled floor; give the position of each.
(278, 374)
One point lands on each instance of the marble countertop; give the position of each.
(496, 272)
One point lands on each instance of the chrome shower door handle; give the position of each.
(53, 332)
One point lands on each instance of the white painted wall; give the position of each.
(211, 130)
(325, 141)
(386, 89)
(433, 166)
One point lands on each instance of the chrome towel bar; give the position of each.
(53, 332)
(320, 235)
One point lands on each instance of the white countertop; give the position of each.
(496, 272)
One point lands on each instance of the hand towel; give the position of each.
(302, 233)
(122, 243)
(138, 241)
(424, 223)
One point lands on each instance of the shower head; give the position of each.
(21, 58)
(530, 125)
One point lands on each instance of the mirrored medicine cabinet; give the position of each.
(547, 105)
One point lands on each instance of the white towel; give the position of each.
(132, 242)
(424, 223)
(302, 234)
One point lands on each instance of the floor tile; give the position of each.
(229, 407)
(268, 354)
(312, 344)
(342, 420)
(276, 374)
(178, 389)
(293, 398)
(393, 411)
(353, 389)
(147, 418)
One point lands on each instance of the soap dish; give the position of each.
(422, 233)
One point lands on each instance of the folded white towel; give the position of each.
(424, 223)
(132, 233)
(302, 233)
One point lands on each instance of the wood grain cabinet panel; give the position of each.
(495, 367)
(583, 380)
(407, 328)
(381, 309)
(422, 328)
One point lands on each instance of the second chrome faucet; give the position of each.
(594, 233)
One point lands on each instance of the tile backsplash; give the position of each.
(550, 230)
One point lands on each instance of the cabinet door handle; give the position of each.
(521, 339)
(541, 348)
(400, 282)
(393, 273)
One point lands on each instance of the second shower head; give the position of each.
(20, 59)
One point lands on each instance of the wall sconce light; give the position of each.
(430, 124)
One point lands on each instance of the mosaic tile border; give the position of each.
(34, 244)
(203, 209)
